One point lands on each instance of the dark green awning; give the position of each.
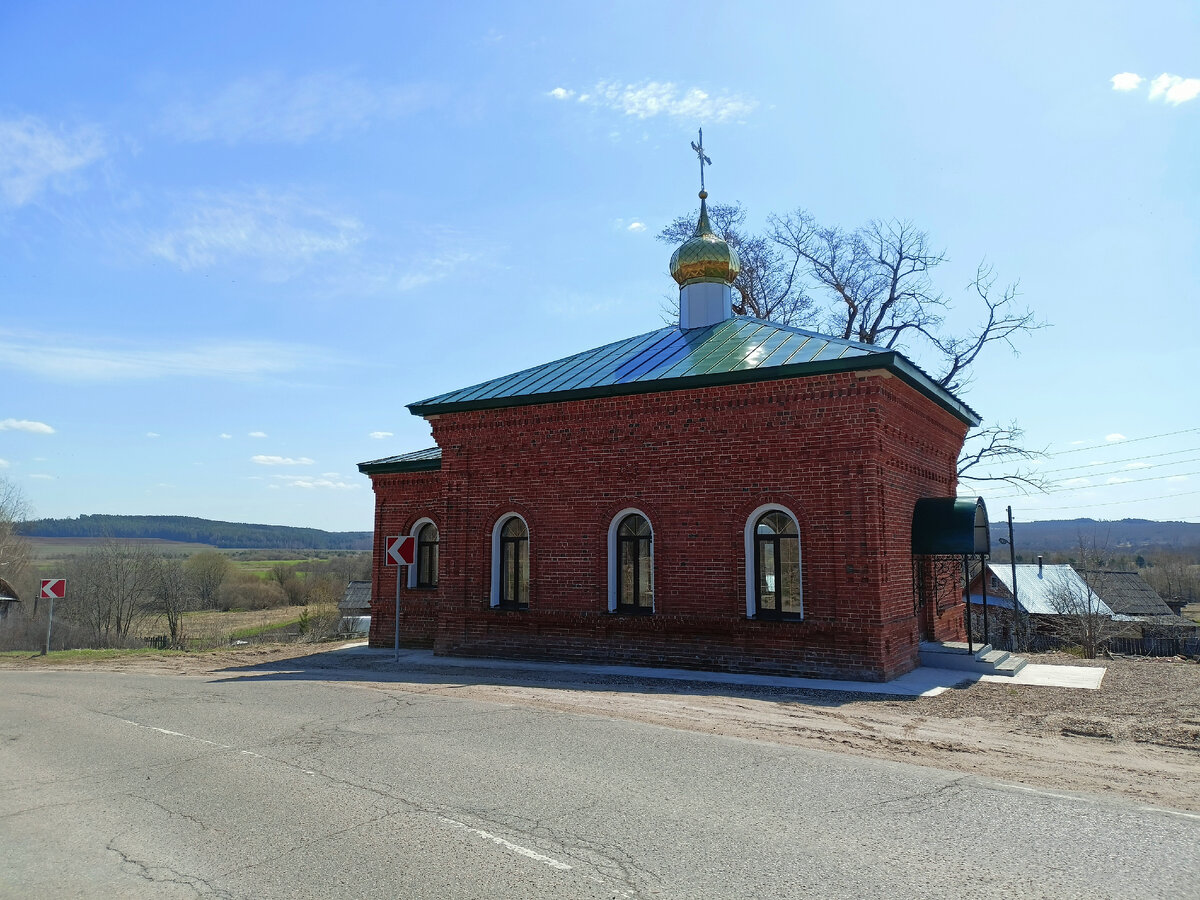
(950, 526)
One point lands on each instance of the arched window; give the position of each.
(427, 556)
(775, 584)
(634, 564)
(510, 568)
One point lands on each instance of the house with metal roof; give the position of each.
(722, 493)
(8, 598)
(1041, 589)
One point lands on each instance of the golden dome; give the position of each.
(704, 256)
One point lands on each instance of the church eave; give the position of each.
(890, 361)
(419, 461)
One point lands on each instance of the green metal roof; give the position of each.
(736, 350)
(418, 461)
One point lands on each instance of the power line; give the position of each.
(1087, 487)
(1095, 505)
(1113, 462)
(1110, 444)
(1098, 472)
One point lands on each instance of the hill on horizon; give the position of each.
(1119, 534)
(189, 529)
(1038, 536)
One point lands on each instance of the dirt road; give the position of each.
(1137, 736)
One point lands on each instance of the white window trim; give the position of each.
(613, 562)
(749, 548)
(496, 528)
(414, 532)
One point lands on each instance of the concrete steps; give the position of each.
(956, 655)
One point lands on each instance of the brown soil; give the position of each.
(1138, 736)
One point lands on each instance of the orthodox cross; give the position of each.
(704, 160)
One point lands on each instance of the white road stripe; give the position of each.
(192, 737)
(509, 845)
(487, 835)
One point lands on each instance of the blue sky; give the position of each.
(235, 239)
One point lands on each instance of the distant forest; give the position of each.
(225, 535)
(1063, 535)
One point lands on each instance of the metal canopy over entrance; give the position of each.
(946, 532)
(950, 526)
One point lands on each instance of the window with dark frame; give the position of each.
(514, 564)
(635, 573)
(776, 567)
(427, 556)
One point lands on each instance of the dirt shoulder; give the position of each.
(1138, 736)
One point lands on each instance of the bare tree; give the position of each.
(112, 587)
(206, 571)
(1082, 619)
(173, 596)
(874, 285)
(14, 549)
(291, 582)
(992, 443)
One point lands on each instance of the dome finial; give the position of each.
(704, 161)
(704, 257)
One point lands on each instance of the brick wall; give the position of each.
(848, 454)
(400, 501)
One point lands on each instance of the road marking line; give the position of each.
(192, 737)
(1078, 797)
(494, 838)
(509, 845)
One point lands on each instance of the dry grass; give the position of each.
(211, 626)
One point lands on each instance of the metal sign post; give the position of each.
(52, 588)
(399, 551)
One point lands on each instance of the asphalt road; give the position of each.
(273, 784)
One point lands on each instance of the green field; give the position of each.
(51, 555)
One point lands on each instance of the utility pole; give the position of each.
(1012, 559)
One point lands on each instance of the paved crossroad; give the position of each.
(278, 785)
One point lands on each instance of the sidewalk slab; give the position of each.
(921, 682)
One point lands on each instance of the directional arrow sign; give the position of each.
(401, 549)
(54, 588)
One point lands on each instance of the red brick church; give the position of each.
(725, 493)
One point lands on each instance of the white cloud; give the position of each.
(654, 98)
(323, 483)
(1178, 478)
(40, 477)
(89, 359)
(1174, 89)
(280, 233)
(24, 424)
(272, 108)
(1115, 436)
(225, 436)
(637, 226)
(153, 434)
(1126, 81)
(35, 157)
(379, 435)
(257, 434)
(281, 460)
(3, 463)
